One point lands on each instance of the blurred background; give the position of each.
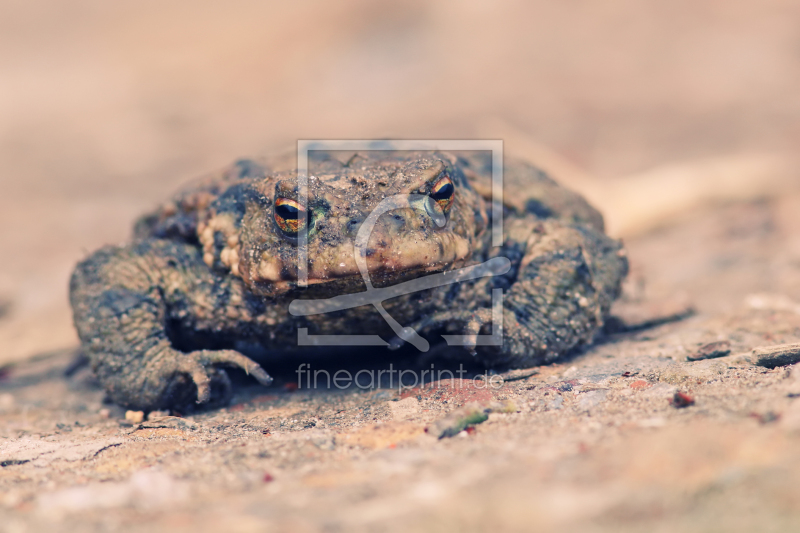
(106, 107)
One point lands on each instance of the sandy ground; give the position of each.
(679, 119)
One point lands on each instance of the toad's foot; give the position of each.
(200, 366)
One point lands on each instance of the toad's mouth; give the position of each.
(387, 257)
(309, 306)
(339, 268)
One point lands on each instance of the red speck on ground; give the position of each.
(681, 399)
(291, 387)
(640, 384)
(268, 477)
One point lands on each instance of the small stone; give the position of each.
(134, 417)
(105, 413)
(772, 356)
(681, 399)
(711, 350)
(152, 415)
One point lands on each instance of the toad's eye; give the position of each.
(444, 193)
(289, 216)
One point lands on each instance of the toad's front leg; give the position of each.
(564, 287)
(556, 297)
(123, 299)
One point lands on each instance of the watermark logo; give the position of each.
(401, 379)
(376, 296)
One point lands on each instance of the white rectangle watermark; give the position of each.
(492, 267)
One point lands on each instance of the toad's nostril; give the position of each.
(352, 226)
(393, 222)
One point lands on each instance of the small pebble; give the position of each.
(105, 413)
(681, 399)
(134, 417)
(711, 350)
(781, 355)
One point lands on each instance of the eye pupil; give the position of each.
(444, 192)
(290, 216)
(288, 212)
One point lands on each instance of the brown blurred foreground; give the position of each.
(680, 119)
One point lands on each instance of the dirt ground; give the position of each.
(680, 119)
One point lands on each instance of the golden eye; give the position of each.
(444, 192)
(289, 216)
